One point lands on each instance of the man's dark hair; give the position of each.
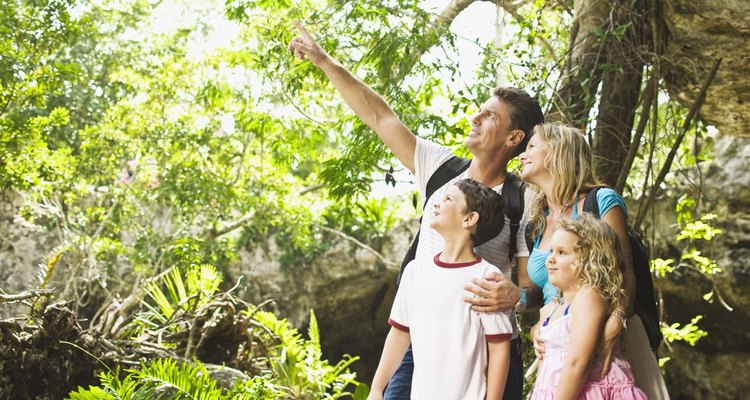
(525, 113)
(488, 204)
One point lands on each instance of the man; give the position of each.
(499, 132)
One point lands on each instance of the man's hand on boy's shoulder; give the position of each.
(495, 292)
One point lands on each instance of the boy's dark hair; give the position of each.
(488, 204)
(525, 113)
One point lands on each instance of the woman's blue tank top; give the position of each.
(536, 267)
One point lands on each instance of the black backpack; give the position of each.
(645, 301)
(512, 192)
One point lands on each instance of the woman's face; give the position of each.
(532, 161)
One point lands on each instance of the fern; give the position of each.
(112, 388)
(47, 269)
(299, 365)
(191, 381)
(188, 380)
(92, 393)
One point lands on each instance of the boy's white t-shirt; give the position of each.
(449, 340)
(428, 157)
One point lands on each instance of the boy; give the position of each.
(454, 348)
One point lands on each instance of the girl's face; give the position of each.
(560, 262)
(532, 161)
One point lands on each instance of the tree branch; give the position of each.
(675, 147)
(649, 93)
(389, 264)
(12, 298)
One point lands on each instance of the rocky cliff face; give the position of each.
(702, 31)
(709, 370)
(347, 287)
(23, 247)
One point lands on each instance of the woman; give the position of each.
(558, 161)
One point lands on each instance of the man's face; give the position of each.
(489, 128)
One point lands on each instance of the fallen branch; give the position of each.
(12, 298)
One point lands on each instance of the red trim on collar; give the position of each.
(442, 264)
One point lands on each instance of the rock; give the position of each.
(700, 32)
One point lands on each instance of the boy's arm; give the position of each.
(585, 334)
(498, 362)
(393, 352)
(368, 105)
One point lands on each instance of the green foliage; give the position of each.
(692, 233)
(298, 363)
(261, 387)
(190, 381)
(699, 229)
(690, 332)
(369, 220)
(183, 295)
(661, 267)
(179, 381)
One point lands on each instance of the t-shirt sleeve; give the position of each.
(608, 199)
(428, 156)
(497, 326)
(399, 317)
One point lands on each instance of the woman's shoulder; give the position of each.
(606, 193)
(607, 198)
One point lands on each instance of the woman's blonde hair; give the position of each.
(598, 249)
(569, 162)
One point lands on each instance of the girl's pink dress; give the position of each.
(618, 384)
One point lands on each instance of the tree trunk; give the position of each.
(626, 42)
(581, 73)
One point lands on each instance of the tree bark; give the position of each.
(626, 42)
(581, 75)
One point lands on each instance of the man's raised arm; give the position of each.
(370, 107)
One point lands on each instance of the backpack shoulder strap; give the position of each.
(590, 205)
(513, 196)
(447, 171)
(529, 235)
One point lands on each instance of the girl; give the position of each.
(584, 266)
(558, 162)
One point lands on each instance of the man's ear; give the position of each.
(516, 137)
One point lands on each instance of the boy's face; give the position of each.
(560, 262)
(450, 213)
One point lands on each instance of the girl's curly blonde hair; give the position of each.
(598, 249)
